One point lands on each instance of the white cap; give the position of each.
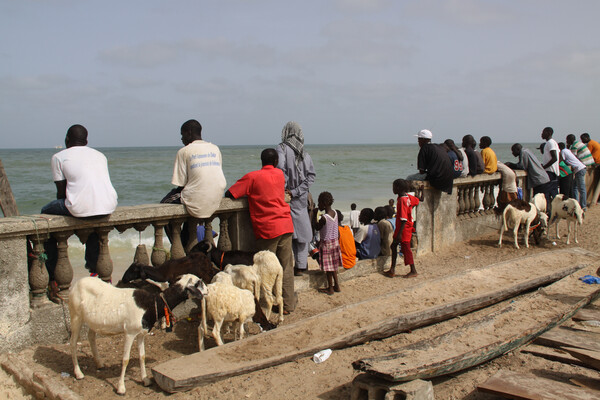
(424, 134)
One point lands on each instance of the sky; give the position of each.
(349, 71)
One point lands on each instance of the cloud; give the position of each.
(204, 50)
(145, 55)
(470, 12)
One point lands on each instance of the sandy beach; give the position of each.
(303, 378)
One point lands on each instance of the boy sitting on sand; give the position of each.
(404, 227)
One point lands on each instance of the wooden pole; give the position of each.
(7, 200)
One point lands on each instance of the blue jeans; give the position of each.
(92, 246)
(580, 191)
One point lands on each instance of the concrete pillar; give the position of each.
(14, 293)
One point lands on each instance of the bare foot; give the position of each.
(411, 275)
(328, 291)
(389, 273)
(337, 289)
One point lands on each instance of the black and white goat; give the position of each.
(196, 263)
(108, 310)
(569, 210)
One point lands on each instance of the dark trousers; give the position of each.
(92, 245)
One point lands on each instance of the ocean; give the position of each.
(361, 174)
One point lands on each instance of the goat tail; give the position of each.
(504, 219)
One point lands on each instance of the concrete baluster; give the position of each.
(192, 234)
(104, 267)
(476, 199)
(141, 253)
(38, 274)
(176, 245)
(63, 274)
(487, 200)
(471, 201)
(224, 240)
(159, 253)
(461, 200)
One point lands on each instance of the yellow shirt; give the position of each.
(489, 160)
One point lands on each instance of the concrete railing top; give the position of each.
(485, 178)
(128, 216)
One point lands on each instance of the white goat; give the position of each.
(519, 212)
(566, 209)
(225, 303)
(109, 310)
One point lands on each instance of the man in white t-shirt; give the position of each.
(198, 175)
(83, 189)
(550, 161)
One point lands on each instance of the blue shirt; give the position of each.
(370, 247)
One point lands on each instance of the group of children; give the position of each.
(337, 247)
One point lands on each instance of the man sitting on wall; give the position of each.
(433, 163)
(83, 189)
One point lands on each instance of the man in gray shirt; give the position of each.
(537, 178)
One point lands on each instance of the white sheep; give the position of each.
(245, 277)
(108, 310)
(270, 272)
(225, 303)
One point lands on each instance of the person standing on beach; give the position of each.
(579, 170)
(83, 189)
(537, 178)
(550, 161)
(580, 150)
(593, 185)
(271, 217)
(592, 145)
(299, 172)
(433, 163)
(404, 227)
(330, 255)
(198, 175)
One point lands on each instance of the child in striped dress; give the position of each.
(329, 246)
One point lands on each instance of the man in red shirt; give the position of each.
(271, 217)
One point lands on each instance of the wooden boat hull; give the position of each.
(317, 332)
(458, 350)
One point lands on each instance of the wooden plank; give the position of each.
(587, 314)
(590, 358)
(529, 387)
(524, 319)
(552, 354)
(589, 383)
(7, 200)
(317, 332)
(561, 337)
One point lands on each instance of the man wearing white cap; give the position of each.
(433, 163)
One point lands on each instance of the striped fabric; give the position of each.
(582, 152)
